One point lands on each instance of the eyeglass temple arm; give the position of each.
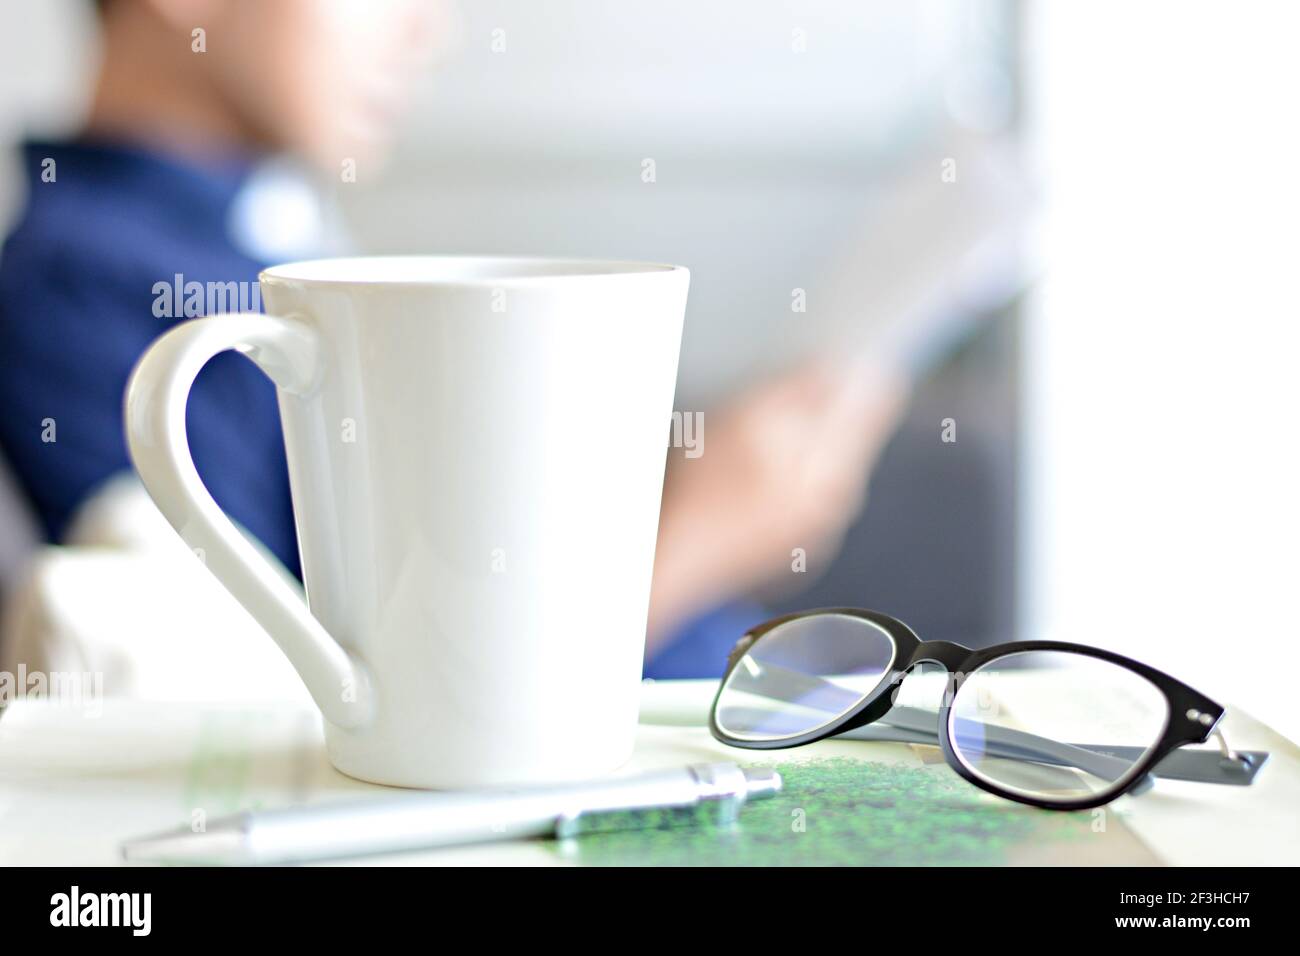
(782, 683)
(912, 725)
(1014, 744)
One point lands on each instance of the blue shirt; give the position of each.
(78, 303)
(77, 309)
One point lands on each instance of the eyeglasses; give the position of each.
(1011, 717)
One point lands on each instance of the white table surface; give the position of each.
(75, 784)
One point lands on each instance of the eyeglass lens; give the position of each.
(802, 675)
(1055, 725)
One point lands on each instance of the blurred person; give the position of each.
(784, 467)
(160, 183)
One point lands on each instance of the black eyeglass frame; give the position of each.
(1192, 717)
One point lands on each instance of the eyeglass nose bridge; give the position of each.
(946, 654)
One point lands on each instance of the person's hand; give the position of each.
(782, 468)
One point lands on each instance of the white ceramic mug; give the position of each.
(476, 451)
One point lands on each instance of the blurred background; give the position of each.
(1071, 226)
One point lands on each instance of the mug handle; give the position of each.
(288, 353)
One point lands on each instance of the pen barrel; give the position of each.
(446, 819)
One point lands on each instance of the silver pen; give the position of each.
(426, 820)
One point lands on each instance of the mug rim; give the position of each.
(455, 270)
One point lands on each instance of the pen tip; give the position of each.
(223, 842)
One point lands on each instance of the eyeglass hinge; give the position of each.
(1234, 757)
(1231, 757)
